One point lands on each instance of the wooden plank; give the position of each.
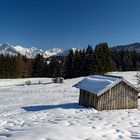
(108, 103)
(80, 97)
(89, 103)
(111, 98)
(105, 101)
(114, 103)
(120, 95)
(102, 101)
(124, 95)
(108, 100)
(112, 95)
(127, 98)
(98, 103)
(117, 100)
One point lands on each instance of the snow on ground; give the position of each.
(49, 111)
(130, 76)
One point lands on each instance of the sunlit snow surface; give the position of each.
(50, 112)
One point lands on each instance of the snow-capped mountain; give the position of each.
(29, 52)
(7, 48)
(53, 52)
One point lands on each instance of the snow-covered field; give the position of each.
(49, 111)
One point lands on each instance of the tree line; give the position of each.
(79, 62)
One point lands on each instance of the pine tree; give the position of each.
(39, 66)
(2, 66)
(55, 68)
(89, 50)
(15, 71)
(127, 62)
(67, 67)
(76, 64)
(102, 58)
(84, 66)
(134, 59)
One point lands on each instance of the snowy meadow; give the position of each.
(44, 110)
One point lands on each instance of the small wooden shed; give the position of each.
(58, 80)
(105, 92)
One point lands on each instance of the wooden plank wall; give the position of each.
(121, 96)
(87, 99)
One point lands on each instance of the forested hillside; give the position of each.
(80, 62)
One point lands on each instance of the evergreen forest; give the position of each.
(79, 62)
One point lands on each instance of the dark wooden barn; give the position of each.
(58, 80)
(104, 92)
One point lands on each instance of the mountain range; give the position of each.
(7, 48)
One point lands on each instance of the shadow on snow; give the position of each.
(47, 107)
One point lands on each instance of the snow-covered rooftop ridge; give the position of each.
(105, 77)
(98, 83)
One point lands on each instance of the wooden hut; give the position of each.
(58, 80)
(104, 92)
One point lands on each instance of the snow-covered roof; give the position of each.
(98, 84)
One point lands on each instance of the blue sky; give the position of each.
(69, 23)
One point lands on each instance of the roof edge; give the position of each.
(107, 75)
(131, 85)
(122, 79)
(107, 88)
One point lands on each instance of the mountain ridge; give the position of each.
(8, 49)
(130, 47)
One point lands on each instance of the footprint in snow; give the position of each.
(5, 135)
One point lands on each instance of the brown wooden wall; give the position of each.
(87, 99)
(121, 96)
